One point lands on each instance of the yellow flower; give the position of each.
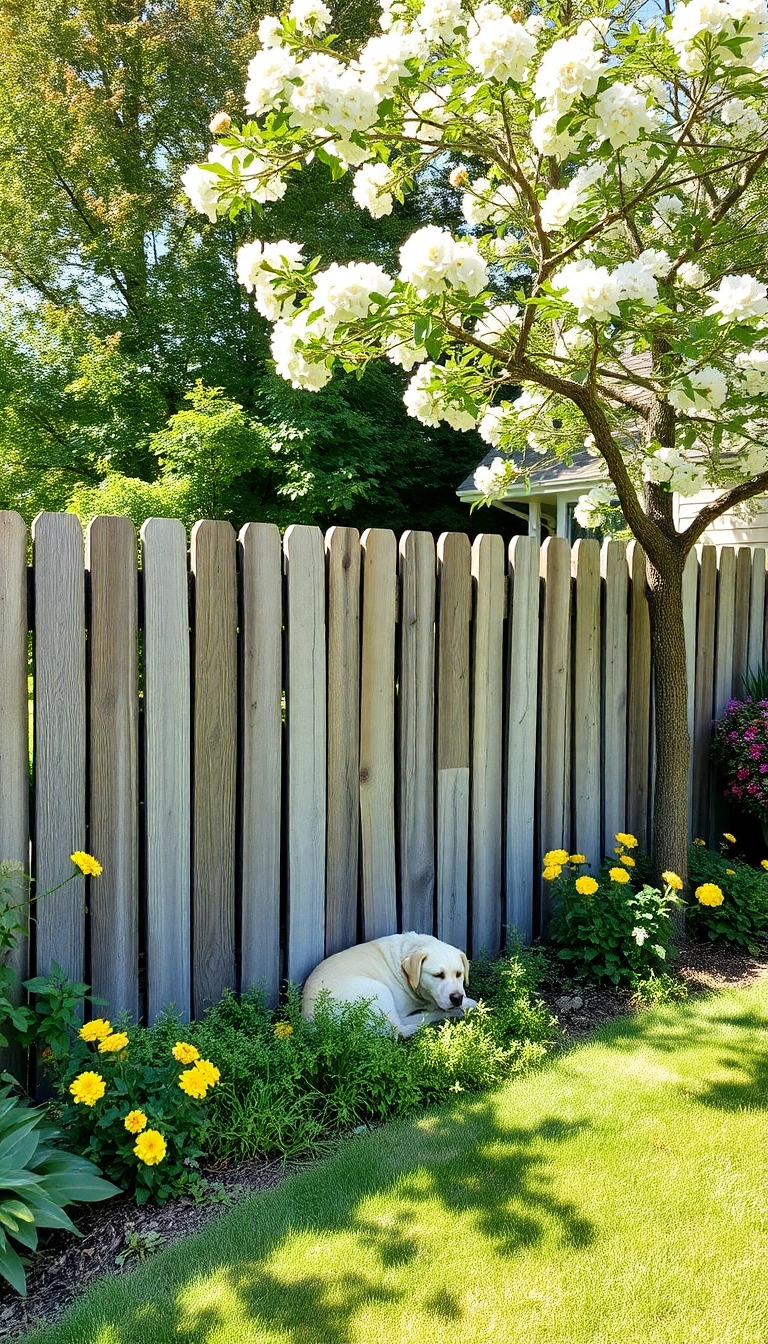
(672, 880)
(86, 863)
(555, 858)
(150, 1147)
(578, 858)
(96, 1030)
(627, 860)
(283, 1029)
(193, 1082)
(709, 894)
(185, 1053)
(88, 1088)
(699, 842)
(551, 871)
(624, 839)
(730, 838)
(764, 864)
(135, 1121)
(731, 872)
(111, 1044)
(586, 886)
(619, 875)
(208, 1072)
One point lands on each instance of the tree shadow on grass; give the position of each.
(268, 1270)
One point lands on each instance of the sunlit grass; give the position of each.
(618, 1196)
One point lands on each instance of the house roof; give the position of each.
(548, 479)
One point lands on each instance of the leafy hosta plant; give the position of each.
(37, 1180)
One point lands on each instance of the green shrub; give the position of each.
(742, 918)
(37, 1180)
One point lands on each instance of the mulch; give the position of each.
(64, 1266)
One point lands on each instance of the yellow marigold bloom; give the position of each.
(86, 863)
(627, 860)
(88, 1088)
(551, 871)
(730, 838)
(672, 880)
(208, 1072)
(185, 1053)
(764, 864)
(619, 875)
(135, 1121)
(731, 872)
(193, 1082)
(111, 1044)
(96, 1030)
(150, 1147)
(624, 839)
(283, 1029)
(555, 858)
(699, 842)
(577, 858)
(709, 894)
(586, 886)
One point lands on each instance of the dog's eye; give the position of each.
(439, 975)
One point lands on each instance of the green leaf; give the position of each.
(12, 1270)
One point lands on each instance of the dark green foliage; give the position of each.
(742, 919)
(595, 934)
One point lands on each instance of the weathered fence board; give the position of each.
(522, 719)
(486, 836)
(554, 802)
(342, 546)
(741, 617)
(417, 695)
(377, 734)
(724, 646)
(261, 636)
(758, 626)
(615, 576)
(14, 717)
(455, 611)
(638, 698)
(690, 599)
(586, 700)
(114, 708)
(213, 565)
(59, 737)
(305, 694)
(705, 672)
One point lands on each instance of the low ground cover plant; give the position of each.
(730, 897)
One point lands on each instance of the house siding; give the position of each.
(728, 530)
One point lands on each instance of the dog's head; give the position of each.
(438, 973)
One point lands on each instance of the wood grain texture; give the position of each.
(486, 838)
(705, 673)
(585, 568)
(59, 739)
(741, 617)
(342, 547)
(167, 766)
(262, 753)
(522, 677)
(452, 749)
(214, 762)
(758, 627)
(638, 698)
(417, 747)
(690, 600)
(14, 717)
(724, 641)
(306, 730)
(613, 568)
(554, 728)
(114, 904)
(377, 734)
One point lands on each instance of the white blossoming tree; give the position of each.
(609, 256)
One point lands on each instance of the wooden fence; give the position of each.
(279, 747)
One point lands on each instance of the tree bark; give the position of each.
(673, 743)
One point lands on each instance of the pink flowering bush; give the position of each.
(741, 749)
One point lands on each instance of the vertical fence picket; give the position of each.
(417, 682)
(705, 672)
(638, 698)
(167, 762)
(59, 738)
(741, 618)
(377, 733)
(452, 732)
(613, 568)
(14, 714)
(111, 559)
(215, 751)
(261, 636)
(306, 747)
(486, 847)
(758, 626)
(724, 631)
(555, 691)
(522, 717)
(342, 545)
(690, 598)
(586, 700)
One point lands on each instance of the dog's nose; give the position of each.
(457, 998)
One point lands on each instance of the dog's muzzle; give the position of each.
(457, 999)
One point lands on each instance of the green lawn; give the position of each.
(619, 1195)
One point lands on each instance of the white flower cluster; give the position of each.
(425, 122)
(205, 188)
(492, 425)
(708, 391)
(692, 275)
(432, 261)
(346, 293)
(561, 203)
(382, 61)
(496, 324)
(404, 353)
(323, 94)
(491, 480)
(621, 114)
(744, 120)
(548, 140)
(438, 20)
(674, 469)
(291, 363)
(427, 399)
(499, 48)
(258, 269)
(591, 507)
(596, 292)
(571, 68)
(722, 20)
(526, 407)
(371, 190)
(310, 16)
(754, 367)
(739, 298)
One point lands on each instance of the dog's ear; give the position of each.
(412, 966)
(465, 964)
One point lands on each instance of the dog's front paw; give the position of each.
(469, 1003)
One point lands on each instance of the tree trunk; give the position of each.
(673, 743)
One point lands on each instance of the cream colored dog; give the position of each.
(411, 978)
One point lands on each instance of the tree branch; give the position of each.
(708, 515)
